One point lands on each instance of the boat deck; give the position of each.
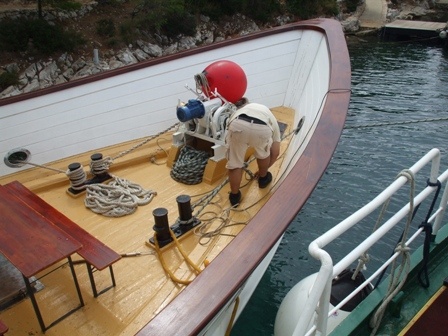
(428, 320)
(143, 286)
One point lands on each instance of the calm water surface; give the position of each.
(391, 83)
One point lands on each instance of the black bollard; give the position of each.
(184, 206)
(77, 180)
(73, 166)
(98, 176)
(161, 226)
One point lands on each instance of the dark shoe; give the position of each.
(235, 198)
(264, 181)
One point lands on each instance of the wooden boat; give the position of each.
(406, 294)
(197, 277)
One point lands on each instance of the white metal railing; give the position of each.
(319, 296)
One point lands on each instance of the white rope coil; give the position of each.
(77, 178)
(118, 198)
(100, 166)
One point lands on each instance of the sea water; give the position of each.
(399, 87)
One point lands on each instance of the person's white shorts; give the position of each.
(240, 136)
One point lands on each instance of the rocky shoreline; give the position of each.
(42, 74)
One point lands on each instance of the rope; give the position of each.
(165, 266)
(397, 278)
(109, 160)
(201, 84)
(232, 318)
(100, 166)
(144, 142)
(77, 178)
(397, 123)
(427, 228)
(190, 166)
(362, 261)
(42, 166)
(118, 198)
(190, 263)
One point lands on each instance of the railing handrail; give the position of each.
(319, 296)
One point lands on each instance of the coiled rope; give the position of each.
(77, 178)
(189, 167)
(118, 198)
(100, 166)
(397, 278)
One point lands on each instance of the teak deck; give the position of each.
(142, 287)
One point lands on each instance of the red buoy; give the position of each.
(228, 78)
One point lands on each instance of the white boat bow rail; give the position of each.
(319, 295)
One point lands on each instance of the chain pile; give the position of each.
(189, 167)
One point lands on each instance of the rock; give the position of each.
(12, 68)
(32, 71)
(186, 42)
(172, 49)
(153, 50)
(350, 25)
(126, 57)
(78, 65)
(114, 64)
(10, 92)
(69, 73)
(31, 86)
(49, 73)
(140, 55)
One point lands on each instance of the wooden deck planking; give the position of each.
(143, 287)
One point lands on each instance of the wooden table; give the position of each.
(32, 243)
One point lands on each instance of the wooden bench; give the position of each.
(95, 253)
(3, 328)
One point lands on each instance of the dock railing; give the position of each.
(319, 296)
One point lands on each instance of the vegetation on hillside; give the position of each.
(38, 38)
(165, 17)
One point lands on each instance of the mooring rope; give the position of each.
(118, 198)
(396, 123)
(397, 279)
(100, 166)
(144, 142)
(195, 268)
(189, 167)
(77, 178)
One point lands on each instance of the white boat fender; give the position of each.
(293, 305)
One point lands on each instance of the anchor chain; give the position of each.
(190, 166)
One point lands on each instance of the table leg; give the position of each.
(36, 307)
(30, 291)
(75, 280)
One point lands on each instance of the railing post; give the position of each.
(435, 166)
